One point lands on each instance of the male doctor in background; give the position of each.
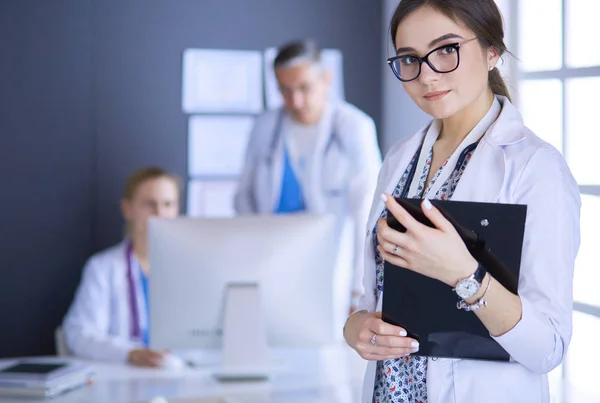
(314, 155)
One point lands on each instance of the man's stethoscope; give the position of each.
(136, 330)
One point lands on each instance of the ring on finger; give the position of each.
(374, 339)
(395, 250)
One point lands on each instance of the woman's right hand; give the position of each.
(375, 340)
(144, 357)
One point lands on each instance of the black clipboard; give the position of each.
(426, 308)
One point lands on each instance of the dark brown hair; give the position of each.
(480, 16)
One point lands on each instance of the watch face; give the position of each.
(467, 288)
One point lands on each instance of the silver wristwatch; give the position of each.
(469, 287)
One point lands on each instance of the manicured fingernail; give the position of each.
(384, 198)
(403, 333)
(414, 344)
(427, 204)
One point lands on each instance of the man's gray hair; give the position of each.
(298, 52)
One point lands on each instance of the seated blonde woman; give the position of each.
(108, 319)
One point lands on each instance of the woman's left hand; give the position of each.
(437, 252)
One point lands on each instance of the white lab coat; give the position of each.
(98, 323)
(510, 165)
(341, 179)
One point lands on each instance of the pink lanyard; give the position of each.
(135, 316)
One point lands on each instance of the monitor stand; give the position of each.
(245, 353)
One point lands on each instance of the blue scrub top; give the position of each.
(291, 199)
(144, 281)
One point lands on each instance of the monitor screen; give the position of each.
(292, 259)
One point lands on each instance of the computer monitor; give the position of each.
(207, 271)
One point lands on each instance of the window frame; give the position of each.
(517, 75)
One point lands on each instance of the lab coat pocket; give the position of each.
(335, 180)
(336, 173)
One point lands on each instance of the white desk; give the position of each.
(333, 376)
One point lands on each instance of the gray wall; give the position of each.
(46, 180)
(90, 90)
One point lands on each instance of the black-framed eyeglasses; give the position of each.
(443, 59)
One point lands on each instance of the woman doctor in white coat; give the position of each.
(476, 149)
(108, 319)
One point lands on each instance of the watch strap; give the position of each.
(480, 273)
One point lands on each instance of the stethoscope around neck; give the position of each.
(334, 138)
(135, 327)
(459, 163)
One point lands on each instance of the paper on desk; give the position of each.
(221, 81)
(332, 59)
(211, 198)
(217, 144)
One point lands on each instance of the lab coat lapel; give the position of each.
(485, 174)
(483, 178)
(313, 194)
(120, 305)
(277, 162)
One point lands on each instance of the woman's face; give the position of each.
(442, 95)
(157, 197)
